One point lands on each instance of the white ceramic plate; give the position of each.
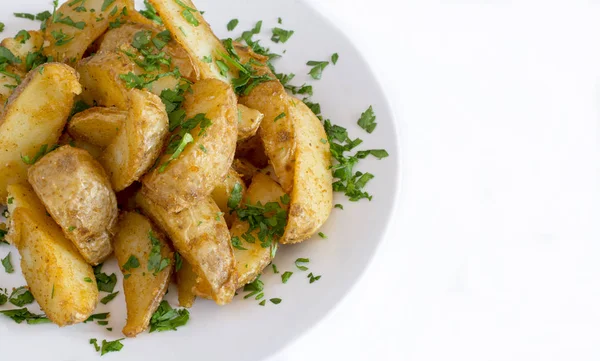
(244, 330)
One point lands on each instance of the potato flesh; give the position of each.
(186, 281)
(177, 184)
(143, 289)
(248, 122)
(223, 191)
(138, 142)
(200, 235)
(77, 193)
(55, 272)
(199, 41)
(21, 47)
(35, 115)
(98, 126)
(97, 19)
(251, 262)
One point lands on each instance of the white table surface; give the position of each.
(495, 249)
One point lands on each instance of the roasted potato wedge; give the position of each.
(297, 147)
(99, 77)
(195, 37)
(181, 177)
(98, 126)
(22, 46)
(138, 142)
(66, 139)
(122, 37)
(248, 122)
(200, 235)
(252, 258)
(8, 83)
(138, 243)
(67, 42)
(186, 281)
(222, 193)
(34, 118)
(58, 277)
(77, 193)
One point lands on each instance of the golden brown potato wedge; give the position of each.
(60, 280)
(34, 118)
(312, 194)
(196, 37)
(94, 150)
(248, 122)
(98, 126)
(122, 37)
(180, 178)
(297, 147)
(186, 281)
(223, 191)
(99, 77)
(21, 46)
(252, 258)
(146, 260)
(68, 42)
(138, 142)
(200, 235)
(77, 193)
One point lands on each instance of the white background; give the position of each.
(495, 249)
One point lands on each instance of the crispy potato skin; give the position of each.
(138, 142)
(122, 37)
(186, 281)
(98, 126)
(206, 160)
(248, 122)
(143, 290)
(96, 20)
(201, 236)
(35, 114)
(77, 193)
(312, 194)
(53, 269)
(251, 262)
(199, 41)
(223, 191)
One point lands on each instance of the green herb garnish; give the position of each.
(166, 318)
(109, 298)
(8, 267)
(21, 297)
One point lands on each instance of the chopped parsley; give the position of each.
(2, 27)
(43, 16)
(8, 267)
(237, 243)
(275, 301)
(168, 319)
(132, 262)
(179, 140)
(178, 262)
(317, 68)
(280, 116)
(281, 35)
(72, 228)
(235, 198)
(313, 278)
(188, 13)
(24, 16)
(300, 263)
(248, 78)
(334, 58)
(23, 36)
(156, 262)
(270, 221)
(109, 298)
(3, 298)
(275, 268)
(107, 346)
(97, 316)
(255, 287)
(263, 302)
(286, 276)
(59, 18)
(106, 4)
(23, 314)
(40, 153)
(367, 120)
(339, 206)
(322, 235)
(150, 13)
(232, 24)
(105, 282)
(20, 297)
(61, 38)
(102, 323)
(88, 280)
